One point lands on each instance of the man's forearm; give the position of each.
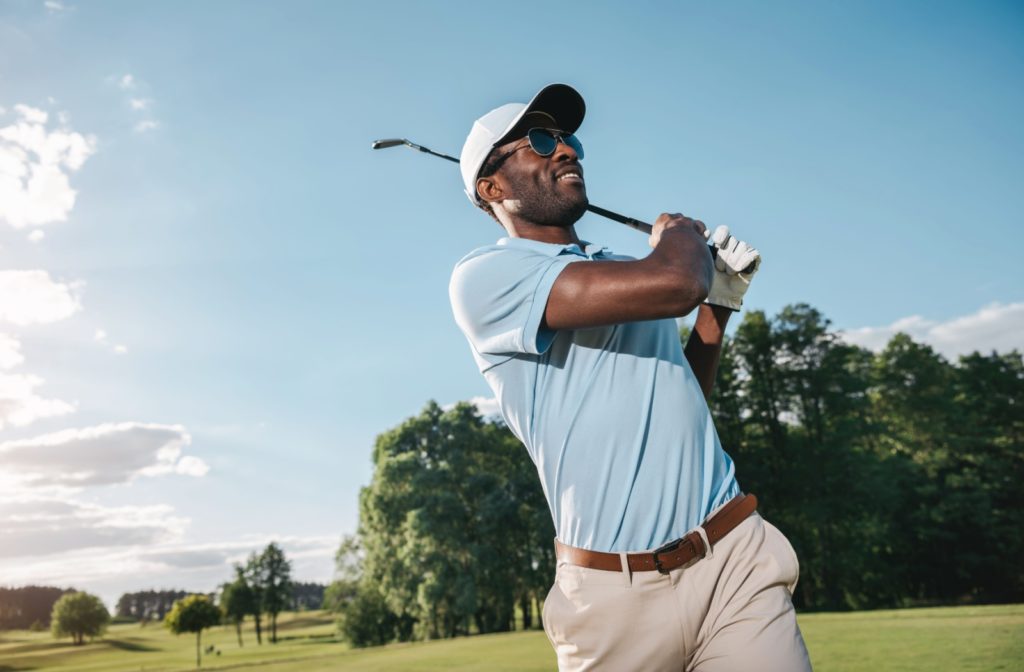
(704, 346)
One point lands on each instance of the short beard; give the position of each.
(544, 207)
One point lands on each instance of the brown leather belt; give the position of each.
(673, 554)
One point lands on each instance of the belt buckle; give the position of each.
(674, 545)
(666, 548)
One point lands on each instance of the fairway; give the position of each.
(926, 640)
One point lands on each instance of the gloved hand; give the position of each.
(731, 278)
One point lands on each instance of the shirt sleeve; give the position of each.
(499, 295)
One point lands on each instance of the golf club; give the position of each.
(614, 216)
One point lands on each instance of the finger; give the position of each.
(720, 235)
(734, 254)
(749, 262)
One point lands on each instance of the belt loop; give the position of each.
(708, 553)
(626, 572)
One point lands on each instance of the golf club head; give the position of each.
(390, 142)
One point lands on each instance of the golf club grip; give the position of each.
(644, 227)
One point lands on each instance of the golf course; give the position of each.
(984, 638)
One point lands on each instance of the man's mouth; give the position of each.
(570, 175)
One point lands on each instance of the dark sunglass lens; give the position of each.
(542, 141)
(575, 143)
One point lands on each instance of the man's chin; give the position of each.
(577, 210)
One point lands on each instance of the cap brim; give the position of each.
(561, 102)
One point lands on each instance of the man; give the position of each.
(581, 349)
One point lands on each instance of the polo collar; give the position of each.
(593, 250)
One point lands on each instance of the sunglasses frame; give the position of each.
(556, 136)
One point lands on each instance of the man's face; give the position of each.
(543, 190)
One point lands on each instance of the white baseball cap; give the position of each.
(561, 102)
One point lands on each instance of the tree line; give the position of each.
(148, 605)
(28, 606)
(896, 475)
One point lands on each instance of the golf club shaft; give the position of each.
(614, 216)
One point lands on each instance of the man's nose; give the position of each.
(564, 152)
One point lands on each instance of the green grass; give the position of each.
(926, 640)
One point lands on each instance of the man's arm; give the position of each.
(704, 347)
(670, 282)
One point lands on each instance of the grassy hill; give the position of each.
(962, 638)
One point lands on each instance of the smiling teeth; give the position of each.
(562, 177)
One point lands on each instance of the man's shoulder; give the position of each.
(518, 247)
(510, 254)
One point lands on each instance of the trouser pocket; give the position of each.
(784, 554)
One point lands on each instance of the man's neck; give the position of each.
(544, 234)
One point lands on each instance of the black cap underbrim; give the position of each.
(561, 102)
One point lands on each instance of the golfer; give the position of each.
(663, 563)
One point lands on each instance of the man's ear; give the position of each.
(489, 190)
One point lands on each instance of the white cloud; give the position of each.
(49, 525)
(162, 562)
(54, 6)
(100, 455)
(10, 352)
(486, 406)
(146, 125)
(32, 115)
(127, 81)
(997, 327)
(36, 236)
(32, 297)
(191, 466)
(35, 164)
(140, 103)
(20, 405)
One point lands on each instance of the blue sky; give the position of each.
(241, 294)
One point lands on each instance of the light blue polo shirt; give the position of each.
(613, 417)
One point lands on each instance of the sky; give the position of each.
(214, 295)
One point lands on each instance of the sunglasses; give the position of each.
(542, 141)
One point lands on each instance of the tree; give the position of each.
(237, 601)
(454, 527)
(348, 570)
(990, 446)
(253, 574)
(79, 615)
(194, 613)
(366, 619)
(275, 582)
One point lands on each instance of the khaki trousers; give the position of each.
(731, 611)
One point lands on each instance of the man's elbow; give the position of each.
(692, 292)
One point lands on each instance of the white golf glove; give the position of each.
(731, 279)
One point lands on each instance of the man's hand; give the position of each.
(730, 281)
(667, 222)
